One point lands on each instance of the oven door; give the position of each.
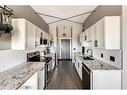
(85, 77)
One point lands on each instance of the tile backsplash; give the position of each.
(11, 58)
(106, 54)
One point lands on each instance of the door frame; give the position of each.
(70, 47)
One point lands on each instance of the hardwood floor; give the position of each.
(65, 77)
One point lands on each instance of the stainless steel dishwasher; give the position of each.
(85, 77)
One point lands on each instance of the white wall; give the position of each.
(76, 30)
(124, 46)
(11, 58)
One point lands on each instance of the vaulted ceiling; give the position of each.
(64, 12)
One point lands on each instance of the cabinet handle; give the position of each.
(85, 37)
(78, 64)
(96, 43)
(28, 87)
(92, 80)
(42, 68)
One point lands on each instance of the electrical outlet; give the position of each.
(101, 55)
(112, 58)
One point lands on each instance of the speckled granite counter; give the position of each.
(16, 76)
(96, 64)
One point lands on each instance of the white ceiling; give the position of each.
(64, 12)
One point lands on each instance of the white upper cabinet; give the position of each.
(101, 31)
(23, 35)
(109, 32)
(87, 35)
(47, 36)
(38, 34)
(30, 35)
(105, 33)
(81, 37)
(26, 35)
(112, 32)
(93, 35)
(97, 34)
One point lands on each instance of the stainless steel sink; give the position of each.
(88, 58)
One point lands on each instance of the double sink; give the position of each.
(88, 58)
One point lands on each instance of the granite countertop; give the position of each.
(96, 64)
(16, 76)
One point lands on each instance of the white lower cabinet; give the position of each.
(41, 79)
(80, 69)
(78, 66)
(53, 61)
(99, 79)
(23, 34)
(31, 83)
(36, 81)
(106, 79)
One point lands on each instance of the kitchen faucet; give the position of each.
(91, 52)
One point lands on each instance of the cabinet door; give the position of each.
(80, 70)
(76, 65)
(49, 37)
(30, 35)
(101, 33)
(18, 34)
(41, 78)
(89, 34)
(37, 36)
(81, 37)
(106, 79)
(31, 83)
(53, 61)
(93, 35)
(85, 35)
(112, 32)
